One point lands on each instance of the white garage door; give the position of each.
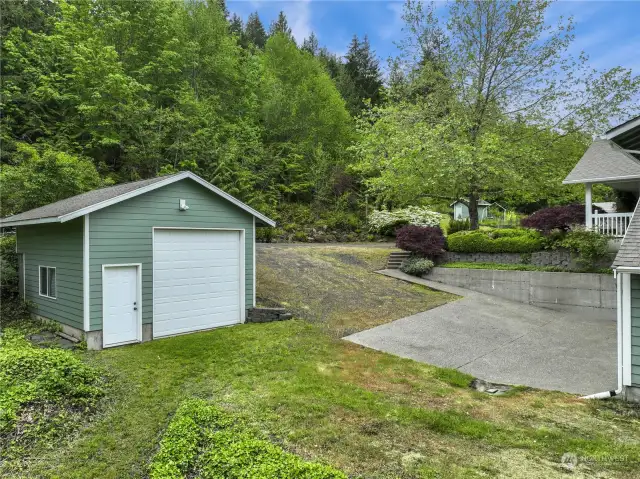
(196, 280)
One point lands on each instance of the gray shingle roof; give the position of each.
(466, 202)
(604, 160)
(78, 202)
(629, 253)
(79, 205)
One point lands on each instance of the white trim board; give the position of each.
(619, 130)
(254, 262)
(145, 189)
(138, 301)
(601, 180)
(86, 283)
(40, 266)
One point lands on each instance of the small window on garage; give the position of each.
(48, 282)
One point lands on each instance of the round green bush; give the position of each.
(496, 241)
(416, 266)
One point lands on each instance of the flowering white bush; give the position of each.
(381, 220)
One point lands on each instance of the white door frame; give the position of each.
(242, 265)
(138, 267)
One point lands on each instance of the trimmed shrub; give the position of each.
(425, 240)
(589, 247)
(416, 266)
(556, 218)
(386, 222)
(458, 225)
(495, 241)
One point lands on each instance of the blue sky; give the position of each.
(605, 30)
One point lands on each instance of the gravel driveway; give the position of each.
(502, 341)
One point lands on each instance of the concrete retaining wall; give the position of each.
(593, 294)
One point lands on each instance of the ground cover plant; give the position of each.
(203, 441)
(508, 240)
(45, 393)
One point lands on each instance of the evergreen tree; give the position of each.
(363, 68)
(235, 25)
(310, 44)
(280, 26)
(223, 8)
(254, 31)
(331, 62)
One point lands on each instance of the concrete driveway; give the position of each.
(502, 341)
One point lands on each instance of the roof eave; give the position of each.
(36, 221)
(601, 180)
(619, 130)
(145, 189)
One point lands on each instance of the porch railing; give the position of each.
(612, 224)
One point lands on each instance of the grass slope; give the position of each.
(363, 412)
(334, 287)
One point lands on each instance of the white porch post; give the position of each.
(587, 206)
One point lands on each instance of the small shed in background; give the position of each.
(461, 209)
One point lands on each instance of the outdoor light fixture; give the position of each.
(183, 205)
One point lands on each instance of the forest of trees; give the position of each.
(96, 92)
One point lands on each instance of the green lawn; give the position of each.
(520, 267)
(366, 413)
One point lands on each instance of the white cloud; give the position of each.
(299, 18)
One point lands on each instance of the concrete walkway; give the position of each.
(502, 341)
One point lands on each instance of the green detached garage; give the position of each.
(141, 260)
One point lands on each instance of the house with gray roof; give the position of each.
(138, 261)
(614, 160)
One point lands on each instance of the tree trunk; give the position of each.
(473, 211)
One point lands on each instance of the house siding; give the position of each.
(122, 233)
(635, 329)
(60, 246)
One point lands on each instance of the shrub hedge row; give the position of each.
(495, 241)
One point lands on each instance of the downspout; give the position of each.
(617, 392)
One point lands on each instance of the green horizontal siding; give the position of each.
(635, 330)
(122, 233)
(60, 246)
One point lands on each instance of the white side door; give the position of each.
(121, 318)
